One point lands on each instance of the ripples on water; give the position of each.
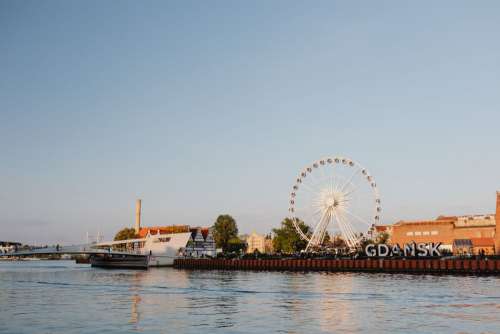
(63, 297)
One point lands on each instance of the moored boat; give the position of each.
(155, 250)
(124, 261)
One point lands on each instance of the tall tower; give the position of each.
(137, 216)
(497, 229)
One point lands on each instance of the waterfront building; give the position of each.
(9, 246)
(259, 242)
(268, 245)
(497, 231)
(470, 234)
(201, 243)
(256, 242)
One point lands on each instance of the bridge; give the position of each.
(70, 250)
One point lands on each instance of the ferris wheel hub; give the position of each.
(330, 199)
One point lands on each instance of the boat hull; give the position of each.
(119, 261)
(161, 261)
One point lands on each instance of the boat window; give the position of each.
(163, 239)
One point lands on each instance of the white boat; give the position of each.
(155, 250)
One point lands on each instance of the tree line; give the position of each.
(285, 239)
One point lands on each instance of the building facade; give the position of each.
(201, 243)
(473, 234)
(497, 231)
(9, 246)
(258, 242)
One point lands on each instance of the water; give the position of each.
(63, 297)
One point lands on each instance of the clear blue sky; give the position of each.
(208, 107)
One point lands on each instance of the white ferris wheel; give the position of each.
(335, 195)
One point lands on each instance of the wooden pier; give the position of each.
(416, 266)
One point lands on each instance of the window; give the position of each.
(409, 234)
(418, 233)
(426, 233)
(163, 239)
(434, 232)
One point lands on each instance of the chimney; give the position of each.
(497, 230)
(137, 216)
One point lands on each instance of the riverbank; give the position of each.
(417, 266)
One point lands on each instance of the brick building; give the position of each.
(459, 234)
(497, 233)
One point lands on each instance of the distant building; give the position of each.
(9, 246)
(143, 231)
(472, 234)
(268, 246)
(201, 243)
(259, 242)
(376, 230)
(497, 231)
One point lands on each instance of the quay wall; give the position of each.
(423, 266)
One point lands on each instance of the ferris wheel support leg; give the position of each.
(354, 242)
(315, 239)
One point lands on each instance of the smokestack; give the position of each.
(497, 220)
(137, 216)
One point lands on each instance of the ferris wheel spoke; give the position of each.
(357, 218)
(349, 233)
(323, 229)
(310, 188)
(343, 231)
(323, 171)
(356, 172)
(314, 240)
(312, 217)
(333, 187)
(314, 180)
(318, 223)
(308, 211)
(349, 226)
(342, 228)
(351, 191)
(331, 222)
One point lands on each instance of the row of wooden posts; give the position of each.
(454, 266)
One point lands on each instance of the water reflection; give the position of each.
(136, 299)
(49, 299)
(334, 305)
(134, 314)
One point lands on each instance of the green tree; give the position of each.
(365, 242)
(126, 233)
(224, 229)
(338, 241)
(326, 239)
(236, 245)
(382, 238)
(287, 239)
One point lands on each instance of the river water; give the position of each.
(64, 297)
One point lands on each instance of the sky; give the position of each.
(203, 108)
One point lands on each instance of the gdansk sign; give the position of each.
(412, 249)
